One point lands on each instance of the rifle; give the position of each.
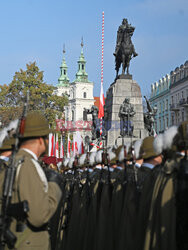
(148, 105)
(8, 210)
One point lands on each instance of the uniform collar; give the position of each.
(4, 158)
(119, 167)
(147, 165)
(31, 153)
(138, 165)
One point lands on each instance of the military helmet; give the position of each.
(36, 125)
(7, 136)
(8, 143)
(146, 149)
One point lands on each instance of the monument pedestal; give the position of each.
(124, 87)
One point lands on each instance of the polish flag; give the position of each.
(82, 147)
(102, 103)
(61, 149)
(68, 147)
(72, 147)
(57, 147)
(51, 145)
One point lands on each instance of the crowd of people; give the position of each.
(133, 196)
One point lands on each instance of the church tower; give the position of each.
(81, 94)
(81, 75)
(63, 81)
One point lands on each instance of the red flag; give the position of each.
(68, 147)
(82, 147)
(61, 149)
(101, 105)
(57, 147)
(76, 147)
(72, 146)
(52, 146)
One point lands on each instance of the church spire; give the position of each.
(63, 79)
(81, 75)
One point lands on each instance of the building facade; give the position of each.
(160, 98)
(170, 96)
(80, 95)
(179, 94)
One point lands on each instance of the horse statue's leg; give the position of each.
(128, 64)
(123, 64)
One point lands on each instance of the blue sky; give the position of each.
(35, 30)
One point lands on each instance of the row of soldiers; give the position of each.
(128, 197)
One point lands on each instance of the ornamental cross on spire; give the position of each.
(82, 42)
(64, 51)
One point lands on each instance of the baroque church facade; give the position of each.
(80, 96)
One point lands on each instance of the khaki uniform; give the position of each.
(161, 220)
(43, 198)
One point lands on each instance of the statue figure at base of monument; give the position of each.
(95, 121)
(126, 112)
(149, 118)
(124, 50)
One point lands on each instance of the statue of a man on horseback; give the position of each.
(124, 50)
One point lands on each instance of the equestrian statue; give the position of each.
(124, 50)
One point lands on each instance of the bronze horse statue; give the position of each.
(125, 52)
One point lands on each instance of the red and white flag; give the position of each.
(56, 147)
(68, 147)
(101, 104)
(61, 149)
(51, 144)
(82, 152)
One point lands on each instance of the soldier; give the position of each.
(31, 184)
(6, 150)
(7, 141)
(146, 178)
(160, 230)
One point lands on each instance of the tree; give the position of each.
(41, 98)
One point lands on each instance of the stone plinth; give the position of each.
(117, 92)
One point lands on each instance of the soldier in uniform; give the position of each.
(32, 185)
(146, 178)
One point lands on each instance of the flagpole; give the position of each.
(102, 94)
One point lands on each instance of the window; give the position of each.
(167, 122)
(163, 123)
(182, 116)
(72, 115)
(160, 125)
(64, 72)
(166, 104)
(160, 107)
(82, 66)
(172, 118)
(172, 100)
(84, 94)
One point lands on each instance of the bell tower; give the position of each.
(63, 80)
(81, 75)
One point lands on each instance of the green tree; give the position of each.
(41, 98)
